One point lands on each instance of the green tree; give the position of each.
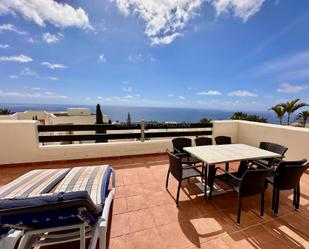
(205, 121)
(291, 106)
(99, 120)
(256, 118)
(251, 117)
(4, 111)
(303, 117)
(280, 111)
(239, 116)
(129, 121)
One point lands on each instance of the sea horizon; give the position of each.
(138, 113)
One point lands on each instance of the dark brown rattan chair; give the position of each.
(251, 182)
(200, 141)
(179, 172)
(223, 140)
(273, 147)
(220, 140)
(287, 176)
(178, 144)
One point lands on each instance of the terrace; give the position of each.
(144, 213)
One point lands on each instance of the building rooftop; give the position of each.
(145, 214)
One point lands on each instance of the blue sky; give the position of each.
(218, 54)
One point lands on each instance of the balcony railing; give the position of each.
(141, 131)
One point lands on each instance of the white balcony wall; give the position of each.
(19, 142)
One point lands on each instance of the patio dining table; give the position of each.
(217, 154)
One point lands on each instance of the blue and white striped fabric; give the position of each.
(93, 179)
(33, 183)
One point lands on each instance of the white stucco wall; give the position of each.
(19, 142)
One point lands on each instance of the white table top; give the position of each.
(214, 154)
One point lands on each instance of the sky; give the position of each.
(214, 54)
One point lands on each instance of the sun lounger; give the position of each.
(78, 209)
(34, 182)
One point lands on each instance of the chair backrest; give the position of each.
(223, 140)
(273, 147)
(175, 166)
(288, 173)
(253, 181)
(179, 143)
(199, 141)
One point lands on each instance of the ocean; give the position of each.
(160, 114)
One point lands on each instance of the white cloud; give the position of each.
(164, 19)
(31, 95)
(164, 40)
(52, 66)
(51, 38)
(170, 95)
(13, 76)
(181, 97)
(52, 78)
(127, 89)
(137, 95)
(102, 58)
(61, 15)
(16, 58)
(210, 93)
(135, 58)
(240, 8)
(28, 72)
(4, 46)
(242, 93)
(289, 88)
(10, 27)
(291, 62)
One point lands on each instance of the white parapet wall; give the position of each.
(19, 142)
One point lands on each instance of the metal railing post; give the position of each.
(142, 131)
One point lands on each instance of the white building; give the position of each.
(71, 116)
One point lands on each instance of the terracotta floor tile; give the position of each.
(149, 239)
(122, 242)
(137, 202)
(260, 237)
(120, 206)
(165, 214)
(131, 179)
(286, 232)
(120, 225)
(149, 188)
(146, 177)
(176, 236)
(236, 241)
(133, 189)
(140, 220)
(158, 198)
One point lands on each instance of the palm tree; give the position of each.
(292, 106)
(280, 111)
(302, 117)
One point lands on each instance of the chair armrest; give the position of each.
(228, 173)
(178, 151)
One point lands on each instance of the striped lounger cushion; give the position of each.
(33, 183)
(93, 179)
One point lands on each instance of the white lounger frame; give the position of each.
(44, 237)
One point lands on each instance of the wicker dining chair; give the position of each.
(200, 141)
(287, 176)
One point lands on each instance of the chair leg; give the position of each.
(273, 202)
(168, 174)
(178, 190)
(262, 204)
(294, 197)
(239, 210)
(227, 166)
(297, 197)
(277, 201)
